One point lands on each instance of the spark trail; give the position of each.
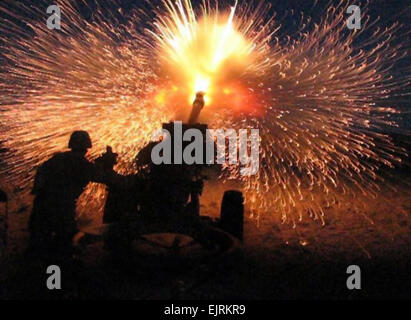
(318, 96)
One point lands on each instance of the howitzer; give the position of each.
(189, 177)
(167, 215)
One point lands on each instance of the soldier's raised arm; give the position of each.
(104, 172)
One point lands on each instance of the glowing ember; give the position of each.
(313, 95)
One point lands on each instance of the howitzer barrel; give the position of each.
(198, 105)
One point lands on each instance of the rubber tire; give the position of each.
(232, 213)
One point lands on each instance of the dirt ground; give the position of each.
(276, 261)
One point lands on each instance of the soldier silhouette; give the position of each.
(58, 184)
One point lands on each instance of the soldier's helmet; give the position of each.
(80, 140)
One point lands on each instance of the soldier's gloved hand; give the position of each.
(108, 159)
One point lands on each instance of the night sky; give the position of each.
(288, 13)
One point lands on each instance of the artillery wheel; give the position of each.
(232, 213)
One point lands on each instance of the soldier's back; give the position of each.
(65, 176)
